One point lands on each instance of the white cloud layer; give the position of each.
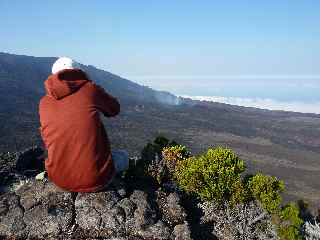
(271, 104)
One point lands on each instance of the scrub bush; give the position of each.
(290, 223)
(242, 221)
(215, 176)
(173, 155)
(266, 189)
(248, 207)
(163, 169)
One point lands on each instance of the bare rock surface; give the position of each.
(37, 209)
(40, 210)
(11, 215)
(182, 232)
(173, 213)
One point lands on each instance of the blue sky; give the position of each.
(255, 49)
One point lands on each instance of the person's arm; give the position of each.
(40, 128)
(106, 103)
(42, 137)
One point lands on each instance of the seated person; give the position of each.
(79, 154)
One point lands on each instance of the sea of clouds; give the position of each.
(263, 103)
(297, 93)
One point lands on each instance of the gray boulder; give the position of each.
(169, 204)
(36, 210)
(98, 214)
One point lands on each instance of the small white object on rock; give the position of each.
(41, 176)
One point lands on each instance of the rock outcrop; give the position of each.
(38, 209)
(31, 209)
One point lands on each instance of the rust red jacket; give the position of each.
(79, 156)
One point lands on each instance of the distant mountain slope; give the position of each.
(27, 74)
(280, 143)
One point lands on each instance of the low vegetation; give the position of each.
(266, 189)
(215, 175)
(247, 205)
(290, 222)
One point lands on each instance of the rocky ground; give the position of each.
(40, 210)
(32, 209)
(132, 208)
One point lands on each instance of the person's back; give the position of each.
(79, 155)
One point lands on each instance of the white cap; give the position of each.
(64, 63)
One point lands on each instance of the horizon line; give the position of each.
(254, 76)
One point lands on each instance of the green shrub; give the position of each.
(163, 170)
(290, 223)
(266, 189)
(216, 176)
(175, 153)
(213, 176)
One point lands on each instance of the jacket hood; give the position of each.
(65, 82)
